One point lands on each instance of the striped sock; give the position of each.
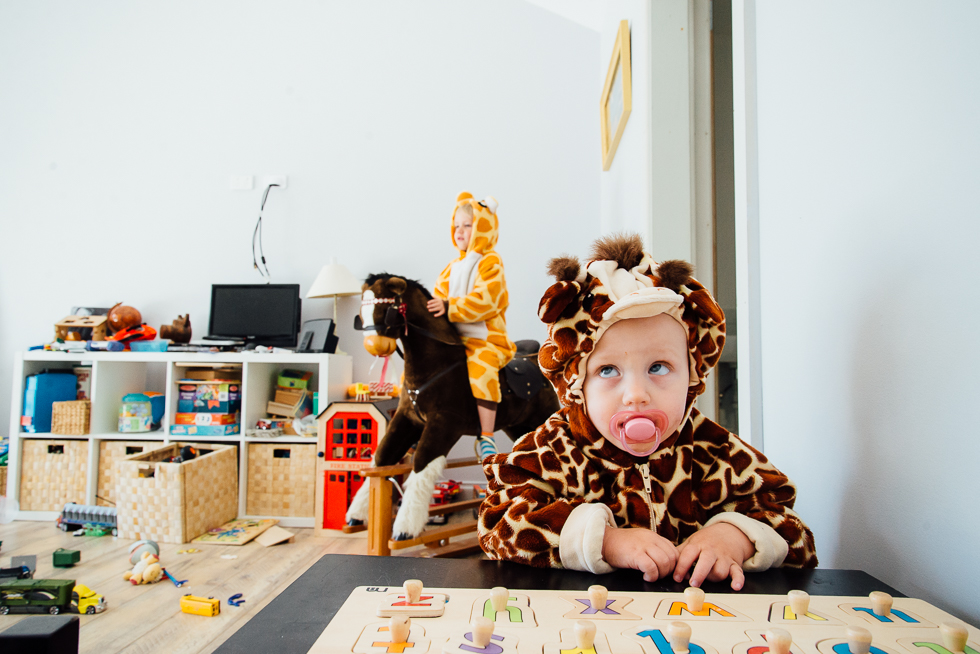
(485, 446)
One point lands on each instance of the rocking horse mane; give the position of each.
(412, 283)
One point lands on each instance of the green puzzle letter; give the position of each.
(514, 614)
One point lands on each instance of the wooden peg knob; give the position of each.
(694, 598)
(413, 590)
(954, 636)
(799, 601)
(598, 596)
(881, 603)
(858, 640)
(482, 630)
(679, 634)
(779, 641)
(498, 598)
(584, 634)
(398, 628)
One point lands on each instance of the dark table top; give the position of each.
(293, 621)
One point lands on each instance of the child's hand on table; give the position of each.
(719, 551)
(639, 549)
(436, 306)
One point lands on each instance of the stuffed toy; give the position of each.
(146, 571)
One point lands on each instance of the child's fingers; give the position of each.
(688, 555)
(655, 564)
(706, 562)
(738, 577)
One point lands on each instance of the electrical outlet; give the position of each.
(240, 182)
(281, 180)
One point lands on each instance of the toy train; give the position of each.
(76, 516)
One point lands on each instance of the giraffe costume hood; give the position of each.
(551, 498)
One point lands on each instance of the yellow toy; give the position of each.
(146, 571)
(206, 606)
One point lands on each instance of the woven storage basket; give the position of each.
(109, 453)
(176, 502)
(281, 479)
(52, 474)
(70, 418)
(3, 480)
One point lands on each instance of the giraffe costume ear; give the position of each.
(490, 203)
(465, 195)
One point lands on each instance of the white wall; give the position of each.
(626, 186)
(120, 124)
(868, 151)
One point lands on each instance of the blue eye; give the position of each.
(607, 371)
(658, 369)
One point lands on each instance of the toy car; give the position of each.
(86, 600)
(16, 572)
(78, 516)
(31, 595)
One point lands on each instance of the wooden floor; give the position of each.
(147, 618)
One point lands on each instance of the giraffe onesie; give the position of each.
(475, 291)
(550, 501)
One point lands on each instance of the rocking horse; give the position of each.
(436, 405)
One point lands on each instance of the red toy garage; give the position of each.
(348, 433)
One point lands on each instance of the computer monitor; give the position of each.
(260, 314)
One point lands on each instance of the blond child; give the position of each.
(628, 474)
(473, 291)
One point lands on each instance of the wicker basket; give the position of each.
(109, 453)
(176, 502)
(281, 479)
(3, 481)
(70, 418)
(52, 474)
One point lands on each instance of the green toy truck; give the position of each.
(52, 595)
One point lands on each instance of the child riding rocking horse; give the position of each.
(473, 291)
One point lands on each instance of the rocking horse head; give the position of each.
(389, 306)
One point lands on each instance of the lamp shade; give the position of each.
(333, 280)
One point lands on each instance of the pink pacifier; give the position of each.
(639, 432)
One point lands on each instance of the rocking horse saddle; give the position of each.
(524, 377)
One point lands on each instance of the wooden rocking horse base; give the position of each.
(435, 540)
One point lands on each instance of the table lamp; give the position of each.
(334, 281)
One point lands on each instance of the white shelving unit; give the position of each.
(114, 374)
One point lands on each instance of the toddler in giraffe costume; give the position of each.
(628, 474)
(473, 291)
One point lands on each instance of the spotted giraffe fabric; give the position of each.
(478, 311)
(701, 474)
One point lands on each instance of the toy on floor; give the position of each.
(62, 558)
(178, 584)
(53, 596)
(236, 600)
(86, 600)
(146, 571)
(136, 550)
(206, 606)
(88, 517)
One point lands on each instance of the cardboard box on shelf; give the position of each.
(222, 373)
(208, 397)
(206, 430)
(290, 403)
(298, 379)
(204, 419)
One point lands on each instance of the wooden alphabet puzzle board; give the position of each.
(542, 622)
